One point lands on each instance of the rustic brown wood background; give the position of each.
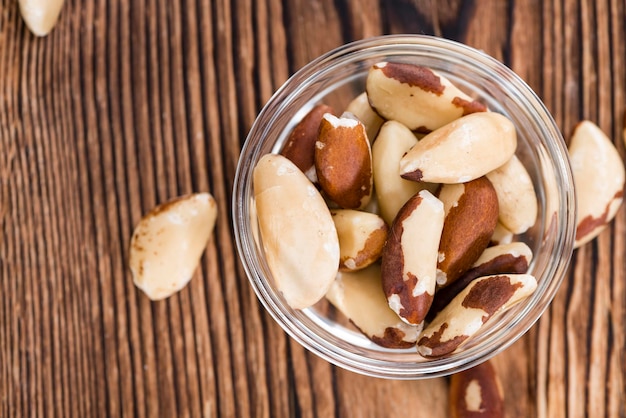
(128, 103)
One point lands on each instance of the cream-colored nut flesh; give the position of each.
(463, 150)
(393, 141)
(476, 392)
(298, 233)
(416, 96)
(469, 310)
(501, 235)
(409, 260)
(598, 172)
(40, 15)
(361, 238)
(168, 242)
(516, 195)
(360, 107)
(359, 296)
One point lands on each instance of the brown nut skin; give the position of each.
(512, 258)
(471, 217)
(343, 162)
(469, 310)
(476, 393)
(409, 260)
(300, 144)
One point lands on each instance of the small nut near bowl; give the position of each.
(336, 79)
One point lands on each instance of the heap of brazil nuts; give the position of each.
(416, 192)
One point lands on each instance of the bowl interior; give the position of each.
(335, 79)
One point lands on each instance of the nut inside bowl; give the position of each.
(335, 79)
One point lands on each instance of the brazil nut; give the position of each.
(360, 107)
(167, 244)
(393, 141)
(343, 161)
(297, 231)
(409, 259)
(359, 296)
(476, 393)
(361, 238)
(462, 150)
(416, 96)
(516, 195)
(300, 144)
(598, 172)
(471, 215)
(469, 310)
(512, 258)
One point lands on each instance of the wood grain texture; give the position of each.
(129, 103)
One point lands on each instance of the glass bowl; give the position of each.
(335, 79)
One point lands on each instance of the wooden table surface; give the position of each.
(129, 103)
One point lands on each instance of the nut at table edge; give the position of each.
(168, 242)
(40, 15)
(476, 392)
(599, 176)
